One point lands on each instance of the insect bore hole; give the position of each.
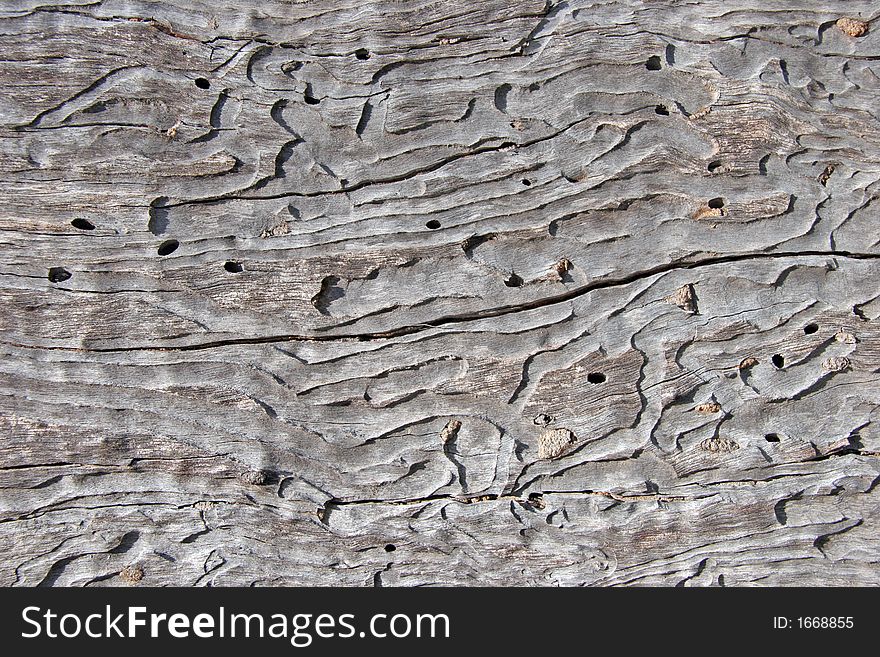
(514, 280)
(202, 83)
(661, 110)
(811, 328)
(82, 224)
(433, 224)
(778, 361)
(58, 274)
(390, 547)
(233, 267)
(772, 437)
(167, 247)
(716, 203)
(653, 63)
(596, 377)
(362, 53)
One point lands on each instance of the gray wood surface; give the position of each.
(533, 292)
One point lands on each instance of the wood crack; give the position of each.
(610, 282)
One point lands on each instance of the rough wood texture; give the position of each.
(463, 293)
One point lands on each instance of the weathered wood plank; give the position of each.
(431, 293)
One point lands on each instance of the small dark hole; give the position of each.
(778, 361)
(514, 280)
(772, 438)
(714, 165)
(526, 182)
(233, 267)
(542, 419)
(433, 224)
(596, 377)
(202, 83)
(653, 63)
(390, 547)
(167, 247)
(58, 274)
(661, 110)
(362, 53)
(716, 203)
(811, 328)
(82, 224)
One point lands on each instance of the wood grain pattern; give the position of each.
(420, 293)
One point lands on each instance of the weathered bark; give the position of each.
(497, 292)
